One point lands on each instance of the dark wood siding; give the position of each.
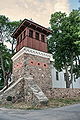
(31, 42)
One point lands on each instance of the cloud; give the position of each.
(61, 5)
(39, 10)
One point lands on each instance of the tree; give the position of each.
(3, 22)
(6, 29)
(11, 26)
(5, 63)
(3, 27)
(62, 43)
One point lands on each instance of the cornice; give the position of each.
(32, 52)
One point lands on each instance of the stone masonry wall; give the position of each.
(18, 68)
(16, 92)
(63, 93)
(20, 92)
(35, 66)
(39, 69)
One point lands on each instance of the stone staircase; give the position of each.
(5, 88)
(6, 91)
(36, 90)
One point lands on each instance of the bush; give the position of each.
(9, 98)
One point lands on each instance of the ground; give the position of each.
(53, 103)
(71, 112)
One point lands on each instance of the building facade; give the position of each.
(58, 79)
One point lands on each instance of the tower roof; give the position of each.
(30, 24)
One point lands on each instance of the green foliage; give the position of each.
(3, 27)
(6, 56)
(11, 26)
(9, 98)
(62, 43)
(3, 20)
(6, 29)
(7, 63)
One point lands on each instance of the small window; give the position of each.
(21, 38)
(37, 35)
(38, 63)
(42, 38)
(30, 33)
(18, 41)
(45, 65)
(57, 76)
(24, 34)
(65, 76)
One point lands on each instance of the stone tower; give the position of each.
(32, 58)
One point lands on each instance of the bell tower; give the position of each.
(32, 57)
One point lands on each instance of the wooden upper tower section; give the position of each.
(32, 35)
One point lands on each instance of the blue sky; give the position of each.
(74, 4)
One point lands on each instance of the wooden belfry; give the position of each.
(32, 35)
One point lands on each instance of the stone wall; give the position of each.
(63, 93)
(39, 69)
(20, 92)
(16, 91)
(36, 66)
(18, 68)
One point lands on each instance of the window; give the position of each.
(18, 41)
(37, 35)
(57, 76)
(38, 63)
(24, 34)
(30, 33)
(42, 38)
(21, 38)
(65, 76)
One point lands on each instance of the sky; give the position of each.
(37, 10)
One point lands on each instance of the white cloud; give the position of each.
(38, 10)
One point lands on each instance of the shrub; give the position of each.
(9, 98)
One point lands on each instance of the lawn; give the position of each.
(53, 103)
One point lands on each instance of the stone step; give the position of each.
(37, 91)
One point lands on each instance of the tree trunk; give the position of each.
(67, 77)
(2, 66)
(12, 48)
(78, 60)
(71, 81)
(67, 84)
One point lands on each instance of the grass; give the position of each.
(63, 102)
(53, 103)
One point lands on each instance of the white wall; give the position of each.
(61, 82)
(76, 83)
